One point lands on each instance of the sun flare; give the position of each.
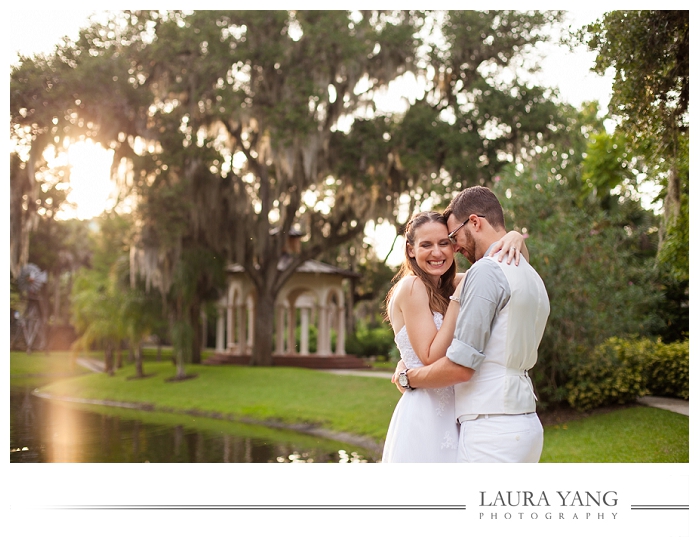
(91, 189)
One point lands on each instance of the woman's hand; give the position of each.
(510, 245)
(456, 296)
(399, 368)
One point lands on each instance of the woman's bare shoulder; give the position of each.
(412, 292)
(409, 287)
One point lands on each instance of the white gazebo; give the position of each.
(313, 296)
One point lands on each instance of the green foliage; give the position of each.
(59, 248)
(182, 336)
(440, 139)
(106, 308)
(613, 373)
(371, 341)
(620, 371)
(667, 370)
(673, 255)
(96, 303)
(675, 249)
(605, 167)
(649, 51)
(594, 263)
(290, 94)
(674, 309)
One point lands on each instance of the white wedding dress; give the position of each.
(423, 427)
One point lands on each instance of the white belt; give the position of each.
(488, 415)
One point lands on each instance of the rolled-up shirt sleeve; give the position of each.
(484, 294)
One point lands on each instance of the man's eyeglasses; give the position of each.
(452, 234)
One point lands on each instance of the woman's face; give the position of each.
(432, 251)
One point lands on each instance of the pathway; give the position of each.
(92, 364)
(669, 404)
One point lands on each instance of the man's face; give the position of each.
(465, 242)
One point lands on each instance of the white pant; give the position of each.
(501, 438)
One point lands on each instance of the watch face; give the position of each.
(403, 379)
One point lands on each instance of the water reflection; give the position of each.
(343, 456)
(22, 439)
(48, 431)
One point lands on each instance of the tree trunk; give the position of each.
(204, 330)
(57, 299)
(195, 322)
(138, 358)
(264, 327)
(179, 362)
(109, 360)
(181, 341)
(673, 202)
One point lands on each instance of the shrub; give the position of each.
(620, 371)
(615, 373)
(668, 371)
(371, 341)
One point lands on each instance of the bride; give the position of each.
(423, 317)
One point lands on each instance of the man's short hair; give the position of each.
(478, 200)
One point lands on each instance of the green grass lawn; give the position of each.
(635, 434)
(357, 405)
(39, 368)
(389, 366)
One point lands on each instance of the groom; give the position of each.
(503, 313)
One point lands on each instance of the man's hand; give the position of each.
(394, 379)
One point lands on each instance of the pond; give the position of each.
(43, 430)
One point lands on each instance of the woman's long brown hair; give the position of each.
(437, 294)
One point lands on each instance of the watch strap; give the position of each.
(404, 374)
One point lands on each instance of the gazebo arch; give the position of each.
(313, 296)
(234, 329)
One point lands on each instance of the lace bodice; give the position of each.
(407, 353)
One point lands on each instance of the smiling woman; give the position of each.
(91, 189)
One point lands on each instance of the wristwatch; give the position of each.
(403, 380)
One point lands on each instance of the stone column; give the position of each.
(305, 312)
(332, 320)
(240, 325)
(340, 347)
(323, 332)
(220, 331)
(230, 325)
(291, 330)
(251, 326)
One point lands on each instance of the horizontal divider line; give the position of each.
(257, 507)
(660, 507)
